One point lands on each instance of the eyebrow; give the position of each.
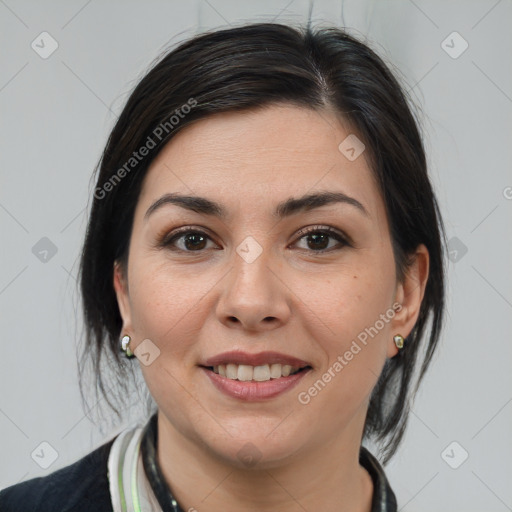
(284, 209)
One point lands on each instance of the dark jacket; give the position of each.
(79, 487)
(84, 485)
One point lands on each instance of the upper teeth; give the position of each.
(261, 373)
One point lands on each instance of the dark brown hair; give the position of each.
(254, 66)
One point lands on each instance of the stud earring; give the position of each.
(399, 341)
(125, 341)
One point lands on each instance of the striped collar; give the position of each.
(137, 483)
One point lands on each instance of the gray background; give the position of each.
(56, 115)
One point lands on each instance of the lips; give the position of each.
(256, 377)
(259, 359)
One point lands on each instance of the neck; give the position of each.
(327, 478)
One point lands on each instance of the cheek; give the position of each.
(166, 306)
(351, 302)
(355, 347)
(165, 303)
(355, 352)
(356, 307)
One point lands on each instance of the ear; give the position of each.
(123, 298)
(409, 294)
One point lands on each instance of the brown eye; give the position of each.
(188, 241)
(193, 241)
(317, 240)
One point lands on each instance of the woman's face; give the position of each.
(251, 287)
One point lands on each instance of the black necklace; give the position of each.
(152, 468)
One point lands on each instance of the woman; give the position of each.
(264, 238)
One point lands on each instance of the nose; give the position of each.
(254, 297)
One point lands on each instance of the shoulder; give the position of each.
(81, 486)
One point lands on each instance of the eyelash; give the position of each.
(168, 241)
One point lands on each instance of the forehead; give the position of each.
(260, 157)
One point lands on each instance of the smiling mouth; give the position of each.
(261, 373)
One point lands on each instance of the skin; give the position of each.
(193, 304)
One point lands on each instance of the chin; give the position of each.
(254, 445)
(254, 454)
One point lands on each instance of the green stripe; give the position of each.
(135, 495)
(120, 482)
